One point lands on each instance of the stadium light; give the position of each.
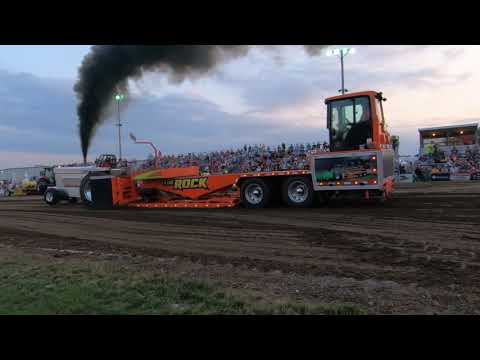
(119, 98)
(342, 52)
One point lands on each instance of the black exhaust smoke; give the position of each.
(107, 69)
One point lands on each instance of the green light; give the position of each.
(119, 97)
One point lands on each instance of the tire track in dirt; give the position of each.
(263, 245)
(429, 237)
(322, 251)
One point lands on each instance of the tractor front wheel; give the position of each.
(42, 186)
(51, 197)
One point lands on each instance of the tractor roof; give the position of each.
(351, 95)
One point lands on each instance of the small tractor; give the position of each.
(106, 161)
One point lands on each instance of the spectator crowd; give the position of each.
(7, 187)
(256, 158)
(262, 158)
(453, 162)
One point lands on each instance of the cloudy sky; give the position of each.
(263, 98)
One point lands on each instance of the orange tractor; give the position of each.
(360, 162)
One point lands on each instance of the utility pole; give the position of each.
(343, 77)
(343, 52)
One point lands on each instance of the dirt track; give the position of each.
(419, 254)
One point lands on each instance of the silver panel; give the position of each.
(354, 154)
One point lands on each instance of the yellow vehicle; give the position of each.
(28, 187)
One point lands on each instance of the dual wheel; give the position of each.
(294, 191)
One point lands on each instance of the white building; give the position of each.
(17, 175)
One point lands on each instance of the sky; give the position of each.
(264, 98)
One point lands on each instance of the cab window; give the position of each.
(350, 123)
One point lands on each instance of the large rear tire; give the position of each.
(255, 194)
(298, 192)
(86, 191)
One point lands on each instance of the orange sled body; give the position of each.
(175, 188)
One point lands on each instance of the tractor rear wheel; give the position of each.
(255, 194)
(86, 191)
(298, 192)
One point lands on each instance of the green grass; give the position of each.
(107, 288)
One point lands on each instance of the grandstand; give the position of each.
(449, 153)
(448, 138)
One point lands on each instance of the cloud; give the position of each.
(12, 159)
(183, 124)
(454, 53)
(37, 114)
(37, 120)
(257, 99)
(39, 124)
(277, 88)
(8, 130)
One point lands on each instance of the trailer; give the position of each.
(360, 163)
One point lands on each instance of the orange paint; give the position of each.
(381, 138)
(193, 187)
(124, 191)
(195, 191)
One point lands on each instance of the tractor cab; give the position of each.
(356, 122)
(47, 174)
(47, 178)
(361, 158)
(106, 161)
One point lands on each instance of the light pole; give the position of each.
(342, 52)
(119, 98)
